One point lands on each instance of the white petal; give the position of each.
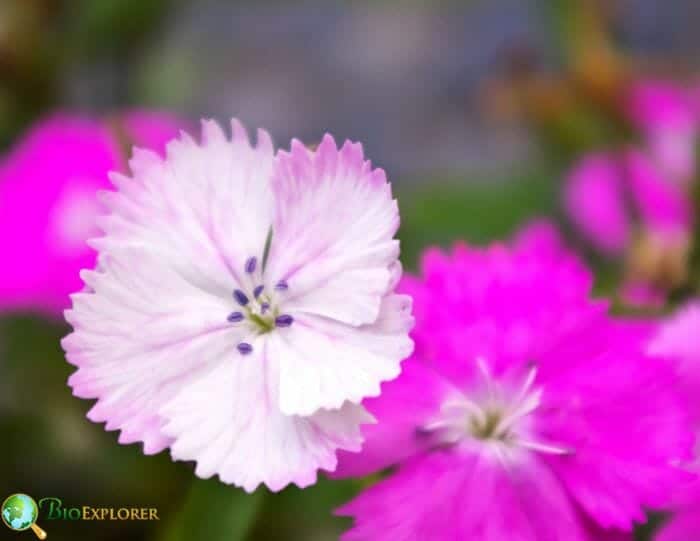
(204, 210)
(324, 363)
(333, 232)
(139, 336)
(230, 424)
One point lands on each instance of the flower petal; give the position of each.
(405, 404)
(205, 210)
(138, 337)
(333, 232)
(594, 199)
(242, 436)
(324, 363)
(684, 526)
(48, 182)
(150, 129)
(451, 496)
(667, 113)
(663, 206)
(595, 408)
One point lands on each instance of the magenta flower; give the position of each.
(242, 306)
(48, 204)
(678, 340)
(609, 196)
(519, 415)
(626, 208)
(667, 115)
(595, 199)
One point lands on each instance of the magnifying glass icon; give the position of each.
(19, 512)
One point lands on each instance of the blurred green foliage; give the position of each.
(42, 39)
(446, 209)
(111, 26)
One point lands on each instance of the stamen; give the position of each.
(520, 409)
(486, 376)
(244, 348)
(543, 447)
(264, 307)
(251, 264)
(240, 297)
(235, 317)
(457, 406)
(284, 320)
(282, 285)
(258, 290)
(527, 384)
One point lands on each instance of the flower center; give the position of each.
(498, 418)
(256, 307)
(486, 427)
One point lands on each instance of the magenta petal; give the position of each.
(668, 115)
(663, 206)
(613, 475)
(685, 526)
(447, 496)
(499, 308)
(636, 293)
(48, 201)
(677, 339)
(656, 105)
(594, 199)
(48, 183)
(404, 405)
(151, 129)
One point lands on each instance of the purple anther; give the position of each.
(240, 297)
(244, 348)
(251, 264)
(282, 285)
(264, 307)
(235, 317)
(284, 320)
(258, 290)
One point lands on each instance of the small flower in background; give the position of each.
(677, 339)
(667, 115)
(48, 203)
(630, 207)
(519, 415)
(243, 305)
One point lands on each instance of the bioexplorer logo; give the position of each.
(20, 512)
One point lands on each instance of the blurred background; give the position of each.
(476, 109)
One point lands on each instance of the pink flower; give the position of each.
(594, 197)
(48, 205)
(519, 415)
(242, 306)
(641, 294)
(677, 339)
(667, 114)
(626, 208)
(605, 194)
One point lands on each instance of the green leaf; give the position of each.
(215, 512)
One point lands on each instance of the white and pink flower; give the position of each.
(242, 305)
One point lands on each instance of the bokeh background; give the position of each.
(474, 108)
